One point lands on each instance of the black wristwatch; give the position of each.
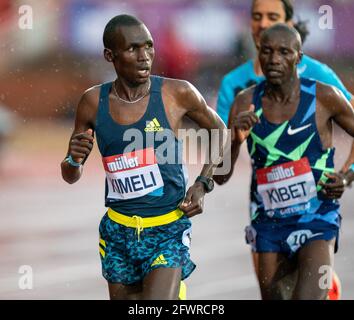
(207, 182)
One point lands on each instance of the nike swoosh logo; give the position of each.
(297, 130)
(315, 235)
(301, 69)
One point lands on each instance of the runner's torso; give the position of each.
(143, 161)
(288, 160)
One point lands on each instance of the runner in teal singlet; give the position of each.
(145, 233)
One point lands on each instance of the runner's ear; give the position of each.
(108, 54)
(301, 54)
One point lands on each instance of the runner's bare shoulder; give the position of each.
(328, 94)
(182, 92)
(88, 105)
(91, 96)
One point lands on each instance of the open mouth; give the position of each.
(144, 72)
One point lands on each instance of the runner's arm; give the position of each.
(81, 140)
(197, 110)
(241, 105)
(326, 75)
(350, 159)
(343, 115)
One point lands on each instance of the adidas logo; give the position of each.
(153, 126)
(159, 260)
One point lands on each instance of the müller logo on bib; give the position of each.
(286, 184)
(132, 174)
(283, 171)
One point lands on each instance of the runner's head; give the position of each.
(129, 46)
(280, 53)
(266, 13)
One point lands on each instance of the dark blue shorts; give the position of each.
(127, 259)
(288, 238)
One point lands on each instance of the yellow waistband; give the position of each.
(141, 223)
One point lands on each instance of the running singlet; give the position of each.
(244, 76)
(142, 161)
(288, 161)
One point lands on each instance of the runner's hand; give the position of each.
(194, 200)
(243, 123)
(81, 145)
(334, 187)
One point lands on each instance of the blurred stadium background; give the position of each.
(52, 226)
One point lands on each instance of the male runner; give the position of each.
(145, 234)
(264, 14)
(287, 122)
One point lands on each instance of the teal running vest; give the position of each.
(143, 161)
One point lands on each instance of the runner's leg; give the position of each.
(119, 291)
(273, 267)
(311, 258)
(162, 284)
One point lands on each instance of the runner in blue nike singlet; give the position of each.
(265, 13)
(287, 122)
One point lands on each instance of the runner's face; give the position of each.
(279, 56)
(265, 13)
(133, 54)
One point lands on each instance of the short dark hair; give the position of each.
(122, 20)
(288, 8)
(282, 27)
(300, 26)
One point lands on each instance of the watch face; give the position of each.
(211, 184)
(208, 183)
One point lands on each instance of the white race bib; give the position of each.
(132, 175)
(286, 185)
